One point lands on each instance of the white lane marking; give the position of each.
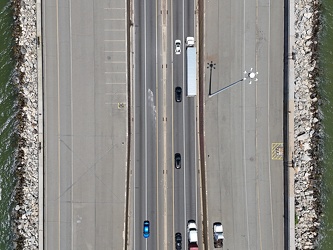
(107, 8)
(195, 132)
(244, 132)
(115, 83)
(256, 142)
(163, 126)
(173, 123)
(256, 136)
(117, 62)
(268, 123)
(114, 40)
(145, 117)
(59, 150)
(134, 138)
(114, 30)
(72, 129)
(114, 19)
(172, 127)
(183, 106)
(195, 160)
(114, 51)
(164, 74)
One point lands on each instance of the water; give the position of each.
(326, 90)
(8, 137)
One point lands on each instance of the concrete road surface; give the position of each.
(244, 124)
(85, 92)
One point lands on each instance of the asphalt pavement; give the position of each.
(163, 195)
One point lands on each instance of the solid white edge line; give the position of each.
(244, 138)
(145, 116)
(256, 136)
(72, 120)
(157, 130)
(183, 106)
(196, 162)
(59, 151)
(134, 130)
(268, 122)
(42, 192)
(172, 127)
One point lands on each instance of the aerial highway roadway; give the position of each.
(92, 71)
(163, 195)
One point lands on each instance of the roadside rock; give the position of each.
(307, 125)
(26, 211)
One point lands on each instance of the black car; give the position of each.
(178, 160)
(178, 94)
(178, 239)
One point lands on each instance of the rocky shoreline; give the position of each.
(25, 224)
(307, 130)
(307, 125)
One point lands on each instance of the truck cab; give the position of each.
(190, 41)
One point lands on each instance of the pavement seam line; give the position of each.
(40, 125)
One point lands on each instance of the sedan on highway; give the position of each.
(178, 94)
(178, 50)
(146, 232)
(178, 239)
(178, 159)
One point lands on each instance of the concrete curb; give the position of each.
(40, 126)
(129, 185)
(200, 27)
(290, 128)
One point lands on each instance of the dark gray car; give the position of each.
(178, 160)
(178, 94)
(178, 239)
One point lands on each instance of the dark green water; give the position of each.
(8, 138)
(326, 89)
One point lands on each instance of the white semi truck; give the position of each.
(191, 61)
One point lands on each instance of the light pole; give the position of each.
(251, 75)
(211, 65)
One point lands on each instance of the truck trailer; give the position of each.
(191, 61)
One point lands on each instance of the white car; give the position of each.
(178, 50)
